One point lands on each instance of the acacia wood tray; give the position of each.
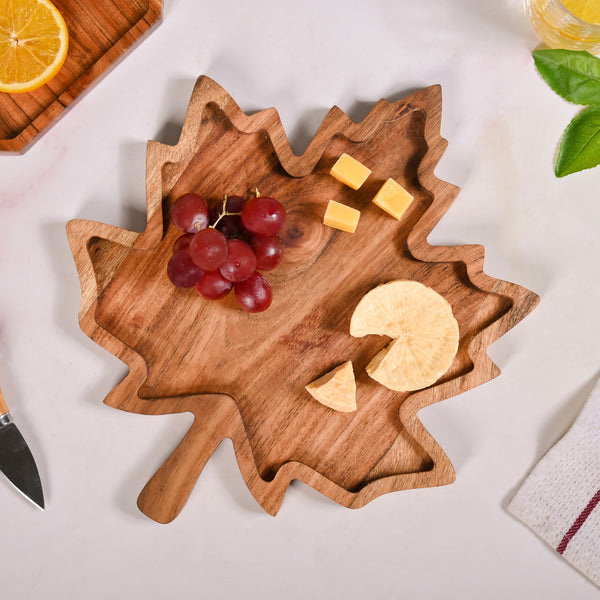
(100, 32)
(243, 375)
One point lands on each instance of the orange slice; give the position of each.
(423, 329)
(33, 44)
(336, 389)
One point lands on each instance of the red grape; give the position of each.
(240, 262)
(231, 226)
(235, 204)
(190, 213)
(254, 294)
(182, 242)
(208, 249)
(214, 214)
(263, 215)
(213, 286)
(183, 271)
(268, 250)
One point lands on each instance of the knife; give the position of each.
(16, 460)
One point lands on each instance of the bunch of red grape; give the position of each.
(227, 247)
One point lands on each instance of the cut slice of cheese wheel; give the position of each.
(336, 389)
(424, 329)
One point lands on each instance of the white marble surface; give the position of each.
(458, 541)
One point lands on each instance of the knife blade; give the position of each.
(16, 460)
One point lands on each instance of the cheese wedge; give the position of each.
(350, 171)
(341, 217)
(336, 389)
(393, 198)
(424, 331)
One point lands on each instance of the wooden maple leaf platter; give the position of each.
(243, 375)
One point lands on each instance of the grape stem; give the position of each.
(224, 213)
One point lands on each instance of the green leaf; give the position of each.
(574, 75)
(580, 146)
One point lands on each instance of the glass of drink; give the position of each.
(572, 24)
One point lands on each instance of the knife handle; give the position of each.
(3, 406)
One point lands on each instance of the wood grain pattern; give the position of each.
(242, 375)
(100, 32)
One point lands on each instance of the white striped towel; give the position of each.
(560, 499)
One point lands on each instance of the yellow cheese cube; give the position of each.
(393, 198)
(349, 171)
(341, 216)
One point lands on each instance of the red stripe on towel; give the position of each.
(579, 521)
